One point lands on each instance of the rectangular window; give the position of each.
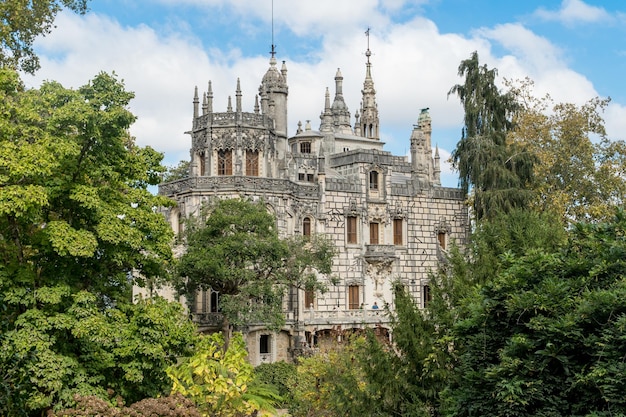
(373, 180)
(351, 229)
(224, 163)
(252, 163)
(373, 233)
(264, 343)
(397, 232)
(309, 177)
(353, 297)
(305, 147)
(427, 296)
(300, 176)
(441, 237)
(306, 227)
(309, 299)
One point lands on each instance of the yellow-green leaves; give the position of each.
(217, 380)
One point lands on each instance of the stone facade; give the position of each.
(388, 215)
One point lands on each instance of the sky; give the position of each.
(573, 50)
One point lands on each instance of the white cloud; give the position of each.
(413, 66)
(573, 12)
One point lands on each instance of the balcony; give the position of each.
(375, 253)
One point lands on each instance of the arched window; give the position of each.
(224, 162)
(306, 227)
(252, 163)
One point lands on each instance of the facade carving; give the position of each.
(388, 215)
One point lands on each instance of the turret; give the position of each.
(341, 114)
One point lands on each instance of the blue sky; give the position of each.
(573, 49)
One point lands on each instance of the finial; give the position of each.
(273, 51)
(368, 53)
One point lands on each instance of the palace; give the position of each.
(388, 215)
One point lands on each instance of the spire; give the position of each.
(256, 104)
(229, 108)
(437, 167)
(210, 98)
(204, 104)
(238, 97)
(196, 101)
(341, 114)
(326, 117)
(369, 108)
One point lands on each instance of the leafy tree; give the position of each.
(220, 381)
(332, 383)
(580, 173)
(280, 375)
(497, 172)
(177, 172)
(236, 251)
(21, 22)
(76, 223)
(543, 337)
(59, 352)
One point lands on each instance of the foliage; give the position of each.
(279, 375)
(331, 384)
(177, 172)
(171, 406)
(580, 174)
(69, 346)
(21, 22)
(496, 171)
(236, 251)
(544, 336)
(77, 229)
(220, 381)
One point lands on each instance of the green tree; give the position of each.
(581, 173)
(76, 222)
(21, 22)
(177, 172)
(235, 249)
(497, 172)
(545, 336)
(220, 381)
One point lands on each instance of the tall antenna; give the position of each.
(273, 51)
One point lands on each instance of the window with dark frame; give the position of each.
(305, 147)
(373, 233)
(373, 180)
(264, 344)
(353, 297)
(224, 162)
(397, 232)
(351, 235)
(426, 295)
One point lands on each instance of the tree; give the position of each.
(177, 172)
(545, 336)
(21, 22)
(580, 172)
(496, 171)
(76, 222)
(220, 381)
(235, 249)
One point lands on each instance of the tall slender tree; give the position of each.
(495, 171)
